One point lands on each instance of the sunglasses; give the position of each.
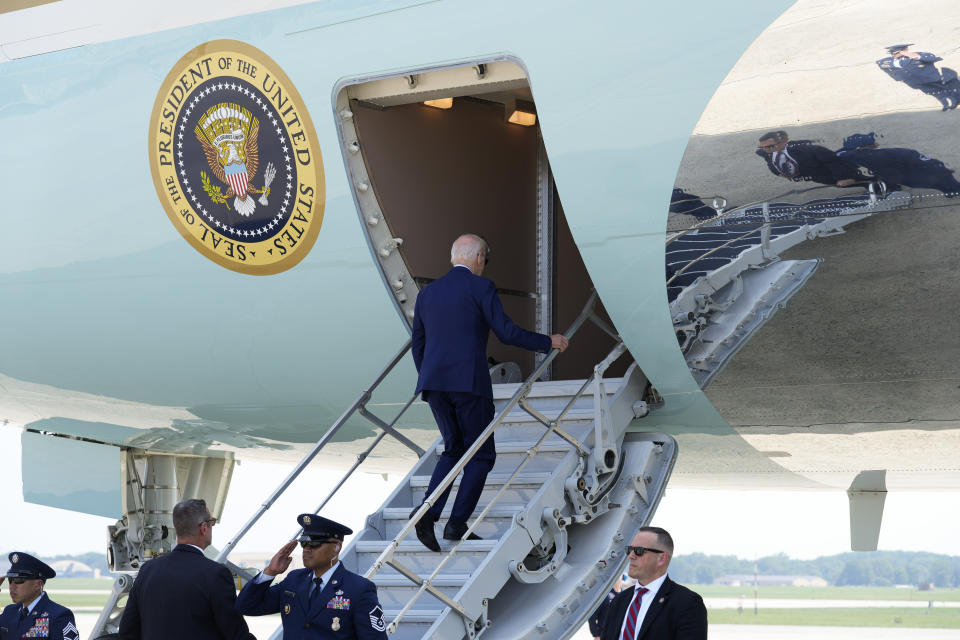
(639, 551)
(316, 545)
(20, 580)
(210, 521)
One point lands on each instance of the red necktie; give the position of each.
(630, 628)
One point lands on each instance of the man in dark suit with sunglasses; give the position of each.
(656, 608)
(323, 601)
(183, 594)
(452, 321)
(33, 614)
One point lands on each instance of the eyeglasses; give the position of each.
(769, 147)
(639, 551)
(210, 521)
(315, 544)
(486, 256)
(20, 580)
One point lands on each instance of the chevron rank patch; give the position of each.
(376, 619)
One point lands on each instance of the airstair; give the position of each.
(569, 488)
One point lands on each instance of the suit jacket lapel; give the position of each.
(660, 601)
(620, 605)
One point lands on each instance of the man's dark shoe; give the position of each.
(455, 531)
(424, 528)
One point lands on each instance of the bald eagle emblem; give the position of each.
(227, 133)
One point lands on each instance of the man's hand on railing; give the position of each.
(281, 559)
(559, 341)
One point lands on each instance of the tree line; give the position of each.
(877, 568)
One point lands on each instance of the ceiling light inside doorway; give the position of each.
(439, 103)
(520, 112)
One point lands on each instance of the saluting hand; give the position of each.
(281, 559)
(559, 341)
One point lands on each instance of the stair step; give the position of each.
(442, 580)
(414, 547)
(493, 480)
(553, 389)
(498, 520)
(417, 558)
(509, 446)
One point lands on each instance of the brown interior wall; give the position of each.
(573, 285)
(439, 173)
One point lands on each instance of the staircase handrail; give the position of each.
(358, 405)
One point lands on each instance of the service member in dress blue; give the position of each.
(323, 601)
(917, 70)
(33, 614)
(898, 166)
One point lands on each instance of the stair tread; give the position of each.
(552, 389)
(418, 482)
(442, 580)
(500, 511)
(414, 545)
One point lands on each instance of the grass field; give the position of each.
(829, 593)
(98, 584)
(866, 617)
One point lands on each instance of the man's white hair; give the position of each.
(466, 247)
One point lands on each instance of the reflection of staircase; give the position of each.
(553, 538)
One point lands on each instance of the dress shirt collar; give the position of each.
(195, 547)
(328, 574)
(463, 266)
(34, 603)
(652, 588)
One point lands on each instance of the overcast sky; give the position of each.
(747, 524)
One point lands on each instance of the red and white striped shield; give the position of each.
(237, 177)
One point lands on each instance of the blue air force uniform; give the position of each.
(899, 166)
(921, 73)
(346, 607)
(46, 618)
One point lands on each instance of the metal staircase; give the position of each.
(537, 501)
(568, 490)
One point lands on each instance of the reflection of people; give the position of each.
(688, 204)
(452, 320)
(898, 166)
(33, 614)
(802, 160)
(184, 594)
(321, 601)
(917, 70)
(656, 608)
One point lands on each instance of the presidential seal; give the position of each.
(235, 159)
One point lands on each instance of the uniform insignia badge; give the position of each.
(235, 159)
(16, 558)
(335, 625)
(306, 520)
(376, 619)
(70, 632)
(339, 592)
(286, 609)
(338, 602)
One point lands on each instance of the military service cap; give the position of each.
(24, 565)
(895, 48)
(858, 140)
(320, 528)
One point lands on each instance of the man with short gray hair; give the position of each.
(184, 594)
(656, 608)
(453, 317)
